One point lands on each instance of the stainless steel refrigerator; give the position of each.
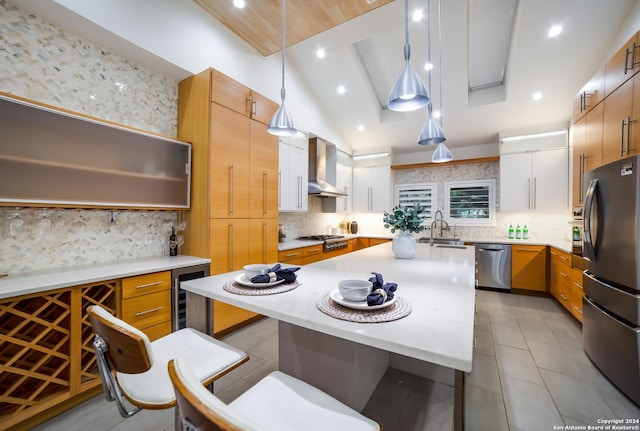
(611, 244)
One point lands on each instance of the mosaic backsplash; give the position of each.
(544, 226)
(45, 63)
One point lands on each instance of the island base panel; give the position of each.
(346, 370)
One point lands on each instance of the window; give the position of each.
(470, 203)
(425, 194)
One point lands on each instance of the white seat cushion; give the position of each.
(280, 402)
(203, 355)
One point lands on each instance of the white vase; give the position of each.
(404, 245)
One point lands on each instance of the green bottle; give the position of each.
(518, 232)
(510, 231)
(525, 232)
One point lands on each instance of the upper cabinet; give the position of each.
(235, 96)
(622, 66)
(372, 189)
(293, 177)
(344, 181)
(535, 181)
(50, 156)
(607, 131)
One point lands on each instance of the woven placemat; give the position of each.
(401, 308)
(238, 289)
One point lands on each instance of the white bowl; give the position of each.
(354, 290)
(254, 269)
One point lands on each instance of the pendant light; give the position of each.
(442, 153)
(409, 92)
(432, 132)
(281, 123)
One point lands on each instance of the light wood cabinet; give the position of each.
(622, 66)
(590, 95)
(233, 217)
(146, 303)
(618, 108)
(535, 181)
(312, 254)
(577, 172)
(529, 267)
(560, 277)
(301, 255)
(576, 293)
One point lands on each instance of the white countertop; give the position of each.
(560, 244)
(42, 281)
(438, 283)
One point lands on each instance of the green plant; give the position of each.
(407, 218)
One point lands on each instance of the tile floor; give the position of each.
(529, 373)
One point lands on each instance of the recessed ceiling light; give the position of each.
(555, 30)
(361, 127)
(417, 15)
(320, 53)
(537, 96)
(341, 89)
(240, 4)
(428, 66)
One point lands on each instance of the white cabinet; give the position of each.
(535, 181)
(293, 175)
(344, 182)
(372, 189)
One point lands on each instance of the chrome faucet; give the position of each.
(433, 224)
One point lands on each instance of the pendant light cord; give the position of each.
(439, 52)
(430, 65)
(407, 49)
(284, 7)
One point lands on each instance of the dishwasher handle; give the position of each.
(499, 250)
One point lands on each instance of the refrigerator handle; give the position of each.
(589, 250)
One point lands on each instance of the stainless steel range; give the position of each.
(330, 242)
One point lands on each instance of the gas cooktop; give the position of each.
(320, 237)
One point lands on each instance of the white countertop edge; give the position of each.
(51, 279)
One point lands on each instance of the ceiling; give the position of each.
(556, 67)
(364, 53)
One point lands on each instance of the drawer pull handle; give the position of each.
(564, 297)
(578, 284)
(155, 283)
(314, 250)
(153, 310)
(291, 254)
(564, 258)
(579, 310)
(563, 274)
(529, 250)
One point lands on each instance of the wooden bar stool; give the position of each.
(133, 368)
(278, 402)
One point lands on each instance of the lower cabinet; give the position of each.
(360, 243)
(565, 282)
(301, 255)
(46, 345)
(146, 303)
(529, 267)
(576, 293)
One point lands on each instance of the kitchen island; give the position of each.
(347, 359)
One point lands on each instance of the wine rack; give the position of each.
(46, 352)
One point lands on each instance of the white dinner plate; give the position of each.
(361, 305)
(243, 280)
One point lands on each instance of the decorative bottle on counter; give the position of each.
(510, 231)
(518, 232)
(525, 232)
(576, 233)
(173, 243)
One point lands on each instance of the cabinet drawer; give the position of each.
(310, 259)
(290, 255)
(560, 256)
(377, 241)
(147, 310)
(312, 251)
(529, 267)
(145, 284)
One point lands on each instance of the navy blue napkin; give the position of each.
(286, 274)
(381, 291)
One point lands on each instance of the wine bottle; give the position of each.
(173, 243)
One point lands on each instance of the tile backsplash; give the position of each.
(43, 62)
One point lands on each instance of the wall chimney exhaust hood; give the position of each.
(322, 169)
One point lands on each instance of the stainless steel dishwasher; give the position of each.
(493, 266)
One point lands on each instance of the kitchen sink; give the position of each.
(441, 240)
